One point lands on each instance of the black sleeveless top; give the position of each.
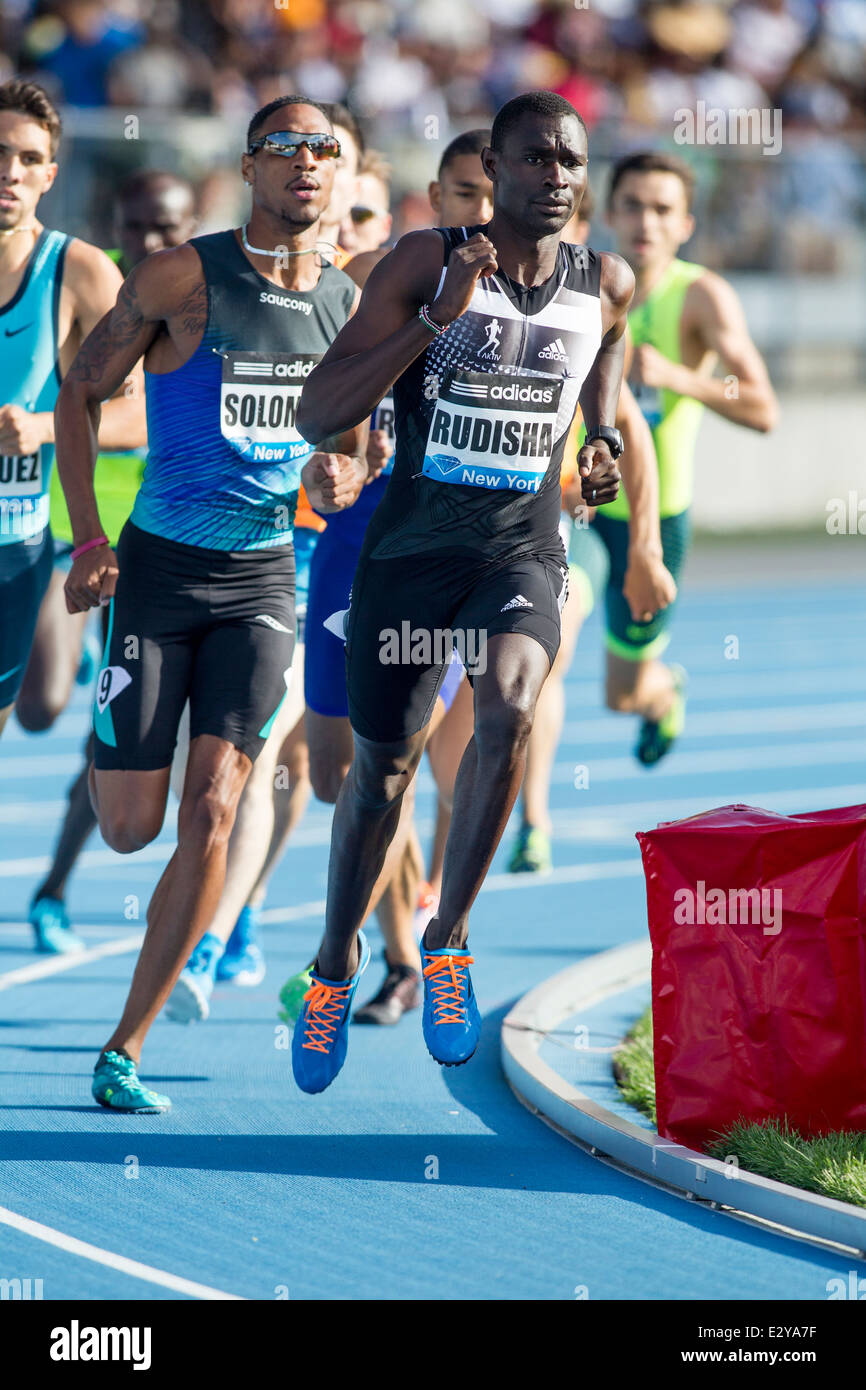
(224, 460)
(482, 416)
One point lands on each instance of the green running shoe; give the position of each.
(292, 995)
(532, 853)
(657, 739)
(117, 1087)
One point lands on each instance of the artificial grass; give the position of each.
(833, 1165)
(633, 1066)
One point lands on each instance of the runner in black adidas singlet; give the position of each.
(489, 339)
(202, 605)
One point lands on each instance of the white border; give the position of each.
(633, 1146)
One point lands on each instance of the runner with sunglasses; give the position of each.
(489, 339)
(202, 588)
(368, 225)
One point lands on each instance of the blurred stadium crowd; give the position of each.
(417, 71)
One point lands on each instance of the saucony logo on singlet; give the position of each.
(285, 303)
(555, 351)
(13, 332)
(270, 622)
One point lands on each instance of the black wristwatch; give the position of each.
(610, 435)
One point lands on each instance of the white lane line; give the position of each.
(494, 883)
(298, 913)
(91, 859)
(641, 815)
(570, 873)
(844, 714)
(847, 752)
(121, 1263)
(60, 1239)
(569, 825)
(55, 965)
(723, 686)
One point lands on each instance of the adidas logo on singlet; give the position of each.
(555, 351)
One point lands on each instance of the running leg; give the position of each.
(489, 778)
(365, 822)
(54, 660)
(186, 897)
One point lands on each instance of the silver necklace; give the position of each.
(10, 231)
(280, 252)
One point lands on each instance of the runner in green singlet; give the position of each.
(684, 321)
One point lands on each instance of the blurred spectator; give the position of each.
(368, 225)
(76, 41)
(420, 71)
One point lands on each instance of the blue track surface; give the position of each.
(250, 1187)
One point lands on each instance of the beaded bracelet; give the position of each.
(424, 316)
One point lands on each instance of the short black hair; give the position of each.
(339, 114)
(653, 162)
(539, 104)
(277, 104)
(29, 99)
(470, 142)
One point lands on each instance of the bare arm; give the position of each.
(165, 285)
(648, 585)
(639, 468)
(93, 282)
(713, 314)
(599, 395)
(334, 476)
(386, 335)
(600, 392)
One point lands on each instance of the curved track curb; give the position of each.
(642, 1150)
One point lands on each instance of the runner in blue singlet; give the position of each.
(53, 290)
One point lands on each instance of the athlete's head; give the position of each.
(154, 211)
(368, 225)
(291, 181)
(649, 207)
(344, 193)
(461, 195)
(537, 161)
(29, 136)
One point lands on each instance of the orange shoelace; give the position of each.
(446, 985)
(326, 1005)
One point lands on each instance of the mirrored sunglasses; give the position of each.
(288, 142)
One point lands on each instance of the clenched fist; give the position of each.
(333, 481)
(470, 261)
(600, 477)
(92, 579)
(21, 431)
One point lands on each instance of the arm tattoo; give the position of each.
(113, 334)
(192, 311)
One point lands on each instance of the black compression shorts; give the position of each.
(25, 571)
(214, 626)
(408, 613)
